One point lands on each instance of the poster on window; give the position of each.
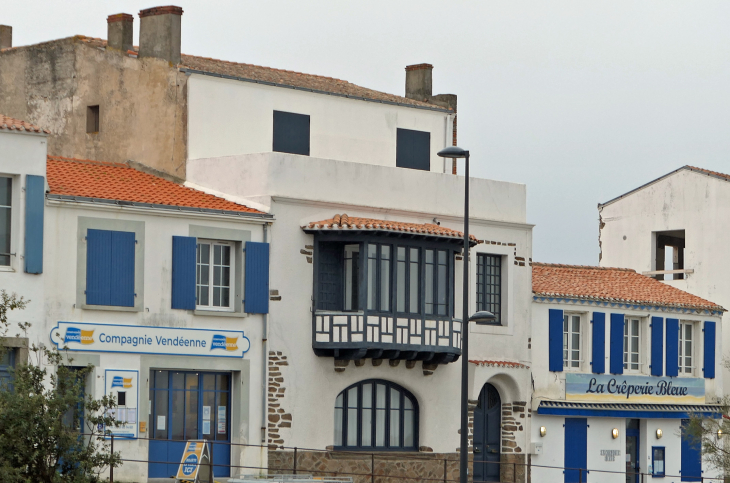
(221, 420)
(122, 384)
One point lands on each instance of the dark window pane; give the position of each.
(291, 133)
(489, 282)
(413, 149)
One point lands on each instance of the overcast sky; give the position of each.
(581, 101)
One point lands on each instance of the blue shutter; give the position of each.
(617, 344)
(691, 458)
(98, 267)
(672, 347)
(598, 361)
(709, 350)
(555, 342)
(657, 346)
(183, 272)
(256, 295)
(576, 450)
(35, 189)
(122, 269)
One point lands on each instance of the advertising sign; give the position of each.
(139, 339)
(123, 385)
(195, 455)
(634, 389)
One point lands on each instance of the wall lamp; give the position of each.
(614, 433)
(659, 434)
(543, 431)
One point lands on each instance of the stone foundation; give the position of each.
(514, 465)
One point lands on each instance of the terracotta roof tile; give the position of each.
(117, 181)
(513, 365)
(10, 124)
(713, 173)
(610, 284)
(344, 221)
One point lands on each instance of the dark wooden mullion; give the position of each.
(362, 290)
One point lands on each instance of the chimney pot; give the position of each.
(6, 36)
(159, 33)
(120, 32)
(419, 82)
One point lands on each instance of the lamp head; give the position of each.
(453, 152)
(484, 317)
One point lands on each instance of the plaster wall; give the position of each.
(694, 202)
(229, 117)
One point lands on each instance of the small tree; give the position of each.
(42, 438)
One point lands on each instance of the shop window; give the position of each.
(632, 344)
(291, 133)
(413, 149)
(670, 254)
(6, 196)
(657, 461)
(572, 343)
(215, 263)
(489, 284)
(376, 415)
(92, 119)
(686, 348)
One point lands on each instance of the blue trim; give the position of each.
(657, 346)
(555, 340)
(616, 350)
(654, 472)
(612, 413)
(672, 347)
(136, 426)
(184, 251)
(709, 349)
(35, 188)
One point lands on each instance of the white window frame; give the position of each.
(231, 276)
(568, 340)
(693, 348)
(639, 335)
(12, 249)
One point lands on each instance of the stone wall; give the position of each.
(278, 418)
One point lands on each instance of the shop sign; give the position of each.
(141, 339)
(634, 389)
(195, 455)
(610, 454)
(123, 385)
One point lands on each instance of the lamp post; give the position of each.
(482, 318)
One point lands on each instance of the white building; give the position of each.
(673, 228)
(620, 360)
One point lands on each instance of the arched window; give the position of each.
(376, 414)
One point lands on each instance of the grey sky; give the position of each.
(579, 100)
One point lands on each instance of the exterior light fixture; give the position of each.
(659, 434)
(614, 433)
(719, 433)
(484, 317)
(543, 431)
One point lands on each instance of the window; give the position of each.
(489, 284)
(376, 414)
(73, 379)
(632, 344)
(92, 119)
(379, 275)
(571, 341)
(291, 133)
(436, 282)
(670, 253)
(352, 277)
(214, 284)
(413, 149)
(686, 348)
(6, 196)
(657, 460)
(7, 363)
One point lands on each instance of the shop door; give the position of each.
(632, 451)
(487, 432)
(575, 450)
(185, 406)
(691, 462)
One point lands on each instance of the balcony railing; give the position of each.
(360, 335)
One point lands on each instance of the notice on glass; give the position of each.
(206, 427)
(206, 413)
(132, 415)
(221, 420)
(161, 423)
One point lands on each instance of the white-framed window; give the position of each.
(632, 344)
(686, 348)
(572, 344)
(214, 281)
(6, 201)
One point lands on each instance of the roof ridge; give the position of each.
(90, 161)
(586, 267)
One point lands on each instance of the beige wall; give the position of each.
(142, 102)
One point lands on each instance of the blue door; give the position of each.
(185, 406)
(691, 457)
(487, 433)
(632, 451)
(576, 450)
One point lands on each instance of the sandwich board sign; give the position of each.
(194, 463)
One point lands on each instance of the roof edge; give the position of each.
(713, 308)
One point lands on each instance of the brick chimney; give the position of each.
(120, 31)
(159, 33)
(418, 82)
(6, 36)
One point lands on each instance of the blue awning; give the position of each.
(636, 411)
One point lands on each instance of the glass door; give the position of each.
(632, 451)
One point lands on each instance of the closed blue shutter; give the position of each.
(122, 269)
(35, 189)
(183, 272)
(98, 267)
(657, 346)
(691, 458)
(555, 331)
(256, 295)
(617, 344)
(672, 347)
(598, 361)
(576, 450)
(709, 350)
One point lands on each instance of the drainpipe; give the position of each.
(264, 370)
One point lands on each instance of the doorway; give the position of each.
(632, 451)
(487, 434)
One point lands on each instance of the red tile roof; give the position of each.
(712, 173)
(610, 284)
(11, 124)
(344, 221)
(508, 364)
(117, 181)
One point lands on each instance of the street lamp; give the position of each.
(481, 318)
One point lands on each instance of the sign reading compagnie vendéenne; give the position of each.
(634, 389)
(149, 340)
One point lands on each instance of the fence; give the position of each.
(511, 472)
